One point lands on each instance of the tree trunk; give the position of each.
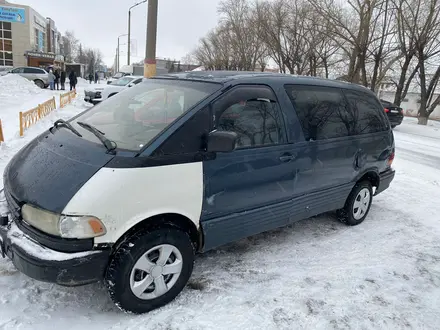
(423, 121)
(401, 84)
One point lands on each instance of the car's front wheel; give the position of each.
(357, 205)
(150, 269)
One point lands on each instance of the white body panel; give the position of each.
(121, 198)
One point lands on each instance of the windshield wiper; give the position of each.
(63, 123)
(109, 144)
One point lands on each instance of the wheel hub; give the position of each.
(156, 271)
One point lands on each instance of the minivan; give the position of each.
(129, 190)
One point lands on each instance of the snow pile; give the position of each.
(15, 86)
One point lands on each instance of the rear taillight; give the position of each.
(387, 110)
(391, 158)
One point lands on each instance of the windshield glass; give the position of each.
(121, 82)
(137, 115)
(118, 75)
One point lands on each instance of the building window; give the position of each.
(40, 40)
(6, 44)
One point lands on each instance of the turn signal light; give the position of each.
(390, 159)
(387, 110)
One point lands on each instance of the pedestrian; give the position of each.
(96, 77)
(51, 80)
(91, 77)
(73, 80)
(63, 79)
(57, 79)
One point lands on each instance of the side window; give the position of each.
(137, 81)
(322, 111)
(253, 113)
(32, 70)
(365, 112)
(190, 137)
(17, 70)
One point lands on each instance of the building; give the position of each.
(27, 38)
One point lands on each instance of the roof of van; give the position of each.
(227, 76)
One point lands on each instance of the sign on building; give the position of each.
(12, 14)
(40, 41)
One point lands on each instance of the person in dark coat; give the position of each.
(57, 79)
(73, 80)
(91, 77)
(96, 77)
(63, 79)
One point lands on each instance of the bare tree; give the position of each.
(363, 31)
(70, 46)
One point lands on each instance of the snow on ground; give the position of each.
(315, 274)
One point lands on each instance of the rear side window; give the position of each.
(321, 111)
(365, 113)
(33, 70)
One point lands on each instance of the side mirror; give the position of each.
(221, 141)
(130, 85)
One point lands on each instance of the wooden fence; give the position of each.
(47, 107)
(29, 118)
(66, 98)
(2, 138)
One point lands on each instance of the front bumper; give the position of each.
(92, 98)
(385, 179)
(47, 265)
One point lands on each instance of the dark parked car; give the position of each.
(394, 113)
(129, 190)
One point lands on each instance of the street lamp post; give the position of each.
(122, 35)
(129, 28)
(150, 51)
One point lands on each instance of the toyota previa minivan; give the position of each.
(129, 190)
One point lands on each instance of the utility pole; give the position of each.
(122, 35)
(129, 28)
(129, 36)
(150, 50)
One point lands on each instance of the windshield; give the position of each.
(137, 115)
(122, 82)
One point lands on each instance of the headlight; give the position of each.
(67, 226)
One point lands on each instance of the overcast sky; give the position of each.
(98, 23)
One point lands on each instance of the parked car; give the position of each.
(129, 190)
(394, 113)
(98, 93)
(5, 70)
(38, 75)
(117, 76)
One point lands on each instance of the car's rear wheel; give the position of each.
(357, 205)
(150, 269)
(39, 83)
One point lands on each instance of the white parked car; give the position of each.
(99, 93)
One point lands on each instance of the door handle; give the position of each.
(286, 158)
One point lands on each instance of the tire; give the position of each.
(149, 245)
(39, 83)
(352, 215)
